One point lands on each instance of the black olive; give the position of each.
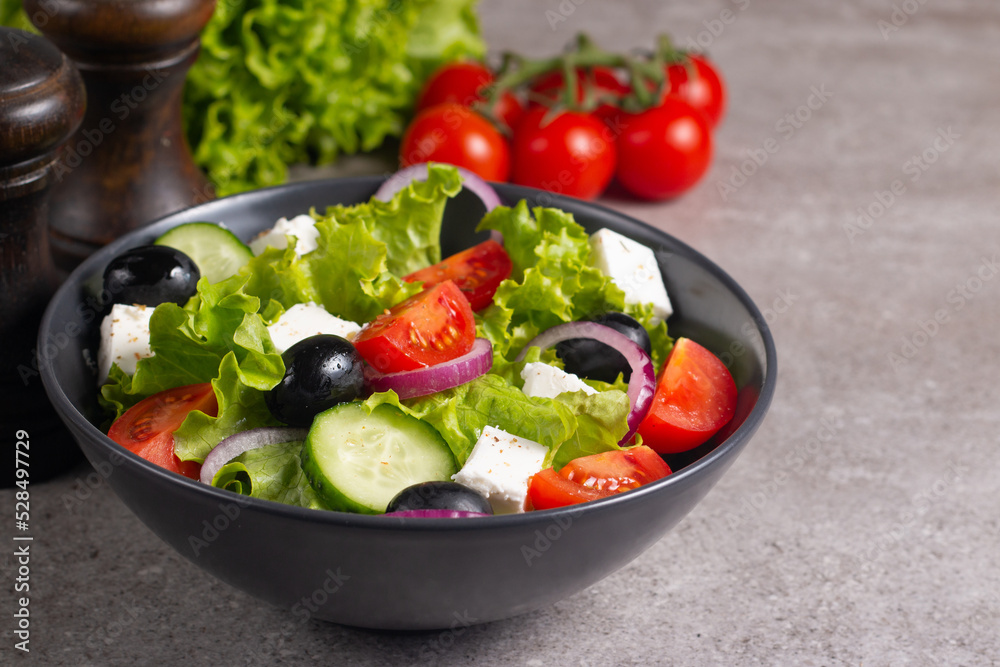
(320, 372)
(594, 360)
(439, 496)
(151, 275)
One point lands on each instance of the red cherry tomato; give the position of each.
(463, 83)
(601, 80)
(694, 398)
(664, 151)
(548, 489)
(147, 427)
(700, 86)
(457, 135)
(596, 476)
(429, 328)
(477, 271)
(571, 154)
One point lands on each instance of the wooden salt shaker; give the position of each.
(42, 103)
(129, 163)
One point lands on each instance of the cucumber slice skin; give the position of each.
(337, 456)
(216, 251)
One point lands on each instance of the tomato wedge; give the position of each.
(548, 489)
(695, 397)
(429, 328)
(617, 471)
(595, 476)
(477, 271)
(147, 427)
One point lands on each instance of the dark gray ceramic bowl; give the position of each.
(394, 573)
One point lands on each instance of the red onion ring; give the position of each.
(432, 379)
(642, 384)
(244, 441)
(436, 514)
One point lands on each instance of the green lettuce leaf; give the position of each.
(410, 223)
(363, 250)
(553, 281)
(190, 343)
(273, 472)
(602, 420)
(241, 407)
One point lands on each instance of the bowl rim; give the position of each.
(534, 196)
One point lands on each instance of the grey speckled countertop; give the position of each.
(862, 524)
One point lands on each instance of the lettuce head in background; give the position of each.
(280, 82)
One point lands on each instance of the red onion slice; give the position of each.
(432, 379)
(642, 384)
(436, 514)
(244, 441)
(418, 172)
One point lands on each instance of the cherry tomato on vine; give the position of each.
(601, 80)
(463, 83)
(457, 135)
(664, 151)
(570, 154)
(701, 87)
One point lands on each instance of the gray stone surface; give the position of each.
(861, 526)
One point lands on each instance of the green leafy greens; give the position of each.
(279, 82)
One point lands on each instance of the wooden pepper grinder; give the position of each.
(42, 103)
(129, 163)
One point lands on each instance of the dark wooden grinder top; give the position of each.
(129, 163)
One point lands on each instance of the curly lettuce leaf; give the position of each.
(409, 224)
(363, 250)
(552, 282)
(602, 420)
(241, 407)
(189, 345)
(303, 82)
(273, 472)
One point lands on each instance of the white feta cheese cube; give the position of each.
(308, 319)
(545, 381)
(500, 466)
(633, 267)
(124, 339)
(302, 227)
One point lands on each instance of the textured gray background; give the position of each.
(860, 527)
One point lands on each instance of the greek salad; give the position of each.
(337, 362)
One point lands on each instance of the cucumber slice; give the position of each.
(358, 462)
(216, 250)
